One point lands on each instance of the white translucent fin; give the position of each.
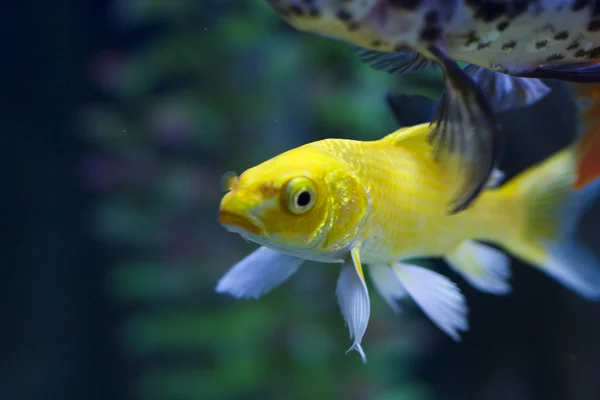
(389, 287)
(569, 261)
(495, 179)
(258, 273)
(576, 267)
(552, 215)
(439, 298)
(353, 299)
(484, 267)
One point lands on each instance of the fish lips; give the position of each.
(234, 223)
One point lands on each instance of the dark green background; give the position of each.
(119, 119)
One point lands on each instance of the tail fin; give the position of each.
(547, 228)
(587, 151)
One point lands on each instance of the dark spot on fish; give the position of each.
(431, 30)
(541, 44)
(401, 47)
(481, 46)
(268, 189)
(490, 11)
(503, 25)
(376, 43)
(579, 5)
(297, 10)
(555, 57)
(432, 17)
(594, 53)
(344, 15)
(430, 33)
(594, 26)
(563, 35)
(580, 53)
(509, 46)
(314, 12)
(471, 38)
(405, 4)
(573, 46)
(353, 26)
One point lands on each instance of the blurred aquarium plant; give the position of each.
(205, 87)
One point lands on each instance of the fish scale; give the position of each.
(408, 197)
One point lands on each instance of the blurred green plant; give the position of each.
(217, 86)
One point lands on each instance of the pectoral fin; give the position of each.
(258, 273)
(387, 284)
(466, 138)
(506, 91)
(484, 267)
(353, 299)
(439, 298)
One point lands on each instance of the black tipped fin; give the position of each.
(578, 73)
(506, 91)
(465, 138)
(403, 62)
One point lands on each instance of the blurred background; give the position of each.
(119, 118)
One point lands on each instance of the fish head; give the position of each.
(305, 202)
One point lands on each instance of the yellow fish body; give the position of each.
(382, 202)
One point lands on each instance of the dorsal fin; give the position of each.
(415, 138)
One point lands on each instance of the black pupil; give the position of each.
(303, 199)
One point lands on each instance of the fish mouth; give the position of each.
(231, 219)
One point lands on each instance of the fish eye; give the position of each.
(300, 195)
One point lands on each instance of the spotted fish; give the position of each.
(506, 44)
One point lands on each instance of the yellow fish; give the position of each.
(381, 203)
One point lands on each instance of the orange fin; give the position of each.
(587, 151)
(587, 155)
(592, 94)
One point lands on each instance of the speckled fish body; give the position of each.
(511, 35)
(520, 40)
(506, 44)
(376, 24)
(381, 203)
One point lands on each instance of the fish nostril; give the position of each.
(229, 181)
